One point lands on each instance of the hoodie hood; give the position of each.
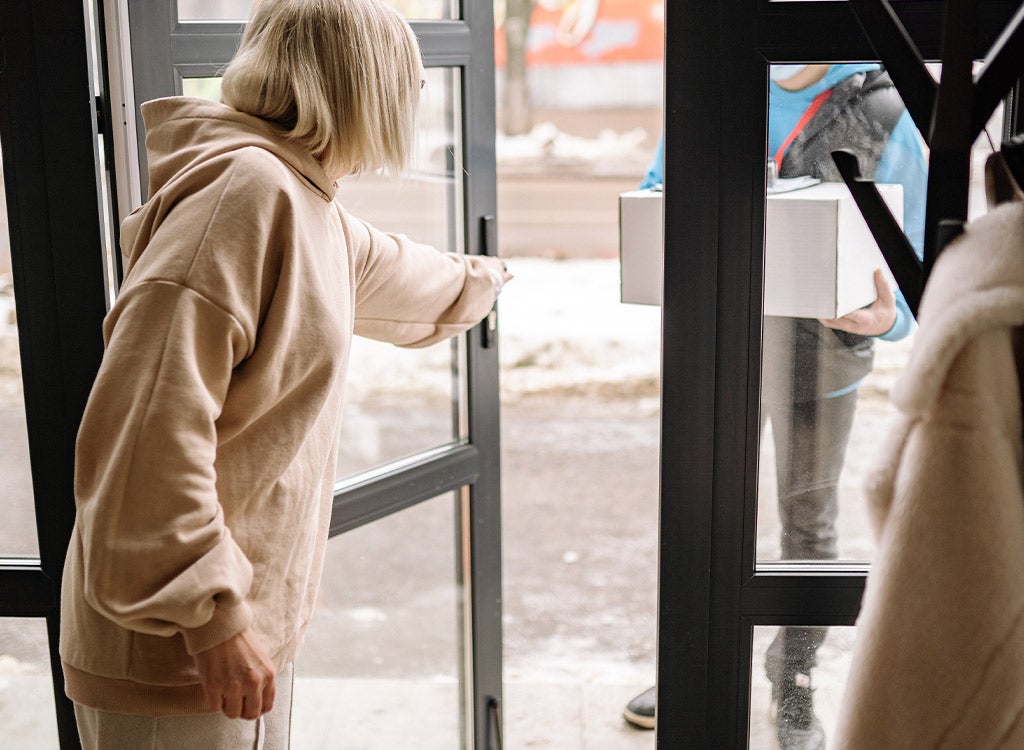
(182, 132)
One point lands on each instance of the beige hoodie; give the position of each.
(205, 458)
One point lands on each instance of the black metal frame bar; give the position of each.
(374, 495)
(484, 522)
(901, 59)
(1000, 72)
(899, 254)
(711, 591)
(25, 590)
(949, 116)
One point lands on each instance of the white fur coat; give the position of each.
(939, 660)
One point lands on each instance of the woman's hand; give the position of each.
(498, 271)
(873, 320)
(238, 676)
(499, 265)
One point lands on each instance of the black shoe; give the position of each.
(796, 725)
(811, 737)
(640, 711)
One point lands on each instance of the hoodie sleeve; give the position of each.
(410, 294)
(158, 553)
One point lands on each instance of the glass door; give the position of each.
(765, 545)
(409, 620)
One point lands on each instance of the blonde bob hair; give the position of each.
(342, 78)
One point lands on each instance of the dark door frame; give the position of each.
(48, 127)
(711, 594)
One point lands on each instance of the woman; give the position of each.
(205, 456)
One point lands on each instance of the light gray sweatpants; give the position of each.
(103, 730)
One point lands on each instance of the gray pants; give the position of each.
(103, 730)
(810, 445)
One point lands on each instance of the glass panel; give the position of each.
(825, 393)
(382, 659)
(789, 666)
(206, 88)
(401, 401)
(238, 10)
(27, 712)
(18, 517)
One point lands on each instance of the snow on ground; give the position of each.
(562, 328)
(549, 150)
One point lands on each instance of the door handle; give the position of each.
(489, 246)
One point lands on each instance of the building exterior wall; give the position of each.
(592, 54)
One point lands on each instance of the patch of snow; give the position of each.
(547, 145)
(561, 326)
(368, 615)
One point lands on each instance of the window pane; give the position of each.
(797, 681)
(27, 712)
(206, 88)
(382, 660)
(401, 401)
(238, 10)
(825, 404)
(18, 517)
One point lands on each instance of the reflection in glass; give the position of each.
(796, 684)
(17, 518)
(401, 401)
(27, 712)
(238, 10)
(382, 660)
(825, 392)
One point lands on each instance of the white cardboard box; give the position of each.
(819, 252)
(641, 244)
